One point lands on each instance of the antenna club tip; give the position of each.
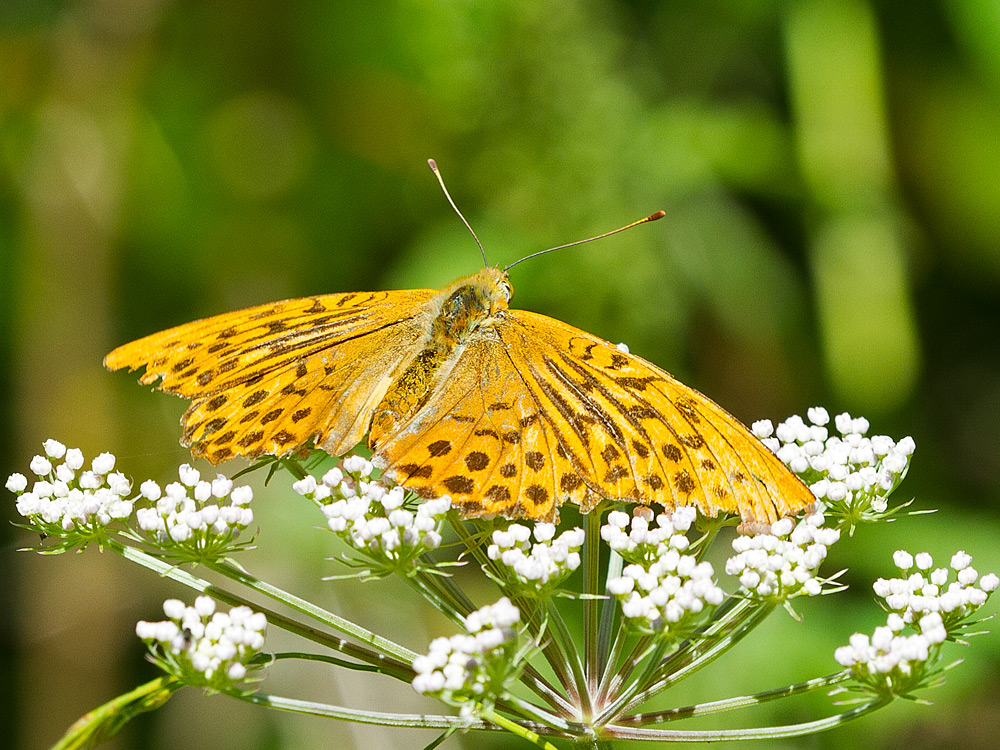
(657, 215)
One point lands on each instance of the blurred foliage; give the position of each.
(831, 178)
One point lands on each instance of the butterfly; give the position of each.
(507, 411)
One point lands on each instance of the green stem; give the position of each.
(309, 609)
(446, 584)
(103, 723)
(653, 658)
(761, 733)
(327, 659)
(639, 650)
(610, 661)
(744, 618)
(591, 586)
(568, 653)
(495, 723)
(730, 704)
(312, 708)
(609, 627)
(513, 704)
(438, 599)
(530, 612)
(521, 731)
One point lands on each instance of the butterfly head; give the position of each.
(490, 287)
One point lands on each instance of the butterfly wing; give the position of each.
(536, 413)
(270, 378)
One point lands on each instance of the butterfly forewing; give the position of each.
(270, 378)
(665, 442)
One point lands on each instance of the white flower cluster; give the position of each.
(66, 500)
(542, 565)
(887, 659)
(848, 470)
(191, 518)
(203, 647)
(472, 665)
(782, 564)
(369, 514)
(664, 596)
(635, 541)
(925, 600)
(923, 591)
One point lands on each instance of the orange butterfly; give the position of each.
(507, 411)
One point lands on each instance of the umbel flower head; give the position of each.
(195, 520)
(540, 567)
(370, 515)
(68, 502)
(851, 473)
(206, 648)
(783, 563)
(926, 602)
(665, 591)
(473, 667)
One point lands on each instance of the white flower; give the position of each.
(903, 559)
(41, 466)
(191, 519)
(74, 459)
(70, 505)
(960, 561)
(189, 475)
(850, 471)
(54, 449)
(921, 593)
(103, 464)
(17, 483)
(542, 565)
(663, 595)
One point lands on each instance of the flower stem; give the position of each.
(562, 638)
(736, 624)
(312, 708)
(521, 731)
(101, 724)
(757, 733)
(729, 704)
(377, 642)
(591, 586)
(609, 628)
(530, 610)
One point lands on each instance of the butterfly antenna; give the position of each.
(437, 173)
(651, 217)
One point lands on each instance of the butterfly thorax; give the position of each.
(465, 309)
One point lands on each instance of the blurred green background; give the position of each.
(830, 170)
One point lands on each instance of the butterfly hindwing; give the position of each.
(269, 378)
(481, 439)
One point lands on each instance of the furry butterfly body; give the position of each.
(507, 411)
